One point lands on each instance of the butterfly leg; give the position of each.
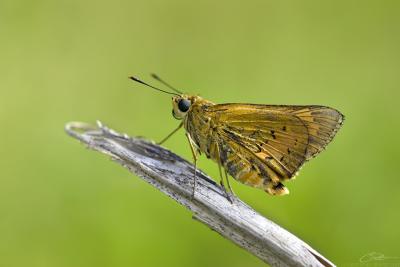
(194, 162)
(168, 136)
(220, 174)
(229, 185)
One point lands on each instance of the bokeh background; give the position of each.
(63, 205)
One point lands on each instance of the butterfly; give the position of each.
(259, 145)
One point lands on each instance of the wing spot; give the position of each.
(284, 128)
(282, 158)
(273, 134)
(268, 158)
(259, 149)
(278, 186)
(288, 151)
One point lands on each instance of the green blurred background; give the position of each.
(63, 205)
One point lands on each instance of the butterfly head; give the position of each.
(181, 105)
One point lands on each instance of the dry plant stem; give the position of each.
(173, 176)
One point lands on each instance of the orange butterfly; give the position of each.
(258, 145)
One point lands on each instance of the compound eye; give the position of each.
(184, 105)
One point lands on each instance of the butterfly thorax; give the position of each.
(198, 123)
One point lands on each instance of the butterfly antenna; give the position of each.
(155, 88)
(165, 83)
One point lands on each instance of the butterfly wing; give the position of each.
(262, 145)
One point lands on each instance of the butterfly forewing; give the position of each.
(262, 145)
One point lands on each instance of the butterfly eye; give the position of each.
(184, 105)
